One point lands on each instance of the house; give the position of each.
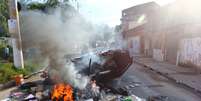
(180, 25)
(170, 33)
(134, 22)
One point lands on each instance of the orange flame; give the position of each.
(62, 92)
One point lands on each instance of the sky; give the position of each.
(109, 11)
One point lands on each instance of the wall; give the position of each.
(147, 47)
(134, 48)
(157, 45)
(190, 52)
(158, 55)
(139, 20)
(172, 39)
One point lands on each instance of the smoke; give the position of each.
(55, 36)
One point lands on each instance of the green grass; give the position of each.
(8, 71)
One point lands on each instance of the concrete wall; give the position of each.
(158, 54)
(172, 39)
(134, 45)
(190, 52)
(156, 45)
(140, 20)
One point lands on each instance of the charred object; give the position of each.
(111, 64)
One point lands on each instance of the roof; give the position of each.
(142, 7)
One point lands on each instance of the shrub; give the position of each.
(8, 71)
(2, 48)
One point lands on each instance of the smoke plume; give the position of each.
(55, 36)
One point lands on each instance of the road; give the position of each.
(5, 93)
(144, 83)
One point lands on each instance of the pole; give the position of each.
(16, 36)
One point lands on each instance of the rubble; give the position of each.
(158, 98)
(30, 97)
(38, 91)
(110, 65)
(99, 88)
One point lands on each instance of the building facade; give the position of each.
(167, 33)
(134, 20)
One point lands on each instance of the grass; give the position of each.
(8, 71)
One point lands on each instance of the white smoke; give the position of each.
(54, 37)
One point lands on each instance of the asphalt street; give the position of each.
(144, 83)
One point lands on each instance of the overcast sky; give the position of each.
(109, 11)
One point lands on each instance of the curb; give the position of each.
(165, 75)
(7, 85)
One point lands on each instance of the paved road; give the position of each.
(5, 93)
(148, 83)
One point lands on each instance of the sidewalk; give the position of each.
(184, 75)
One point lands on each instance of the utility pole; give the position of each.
(14, 30)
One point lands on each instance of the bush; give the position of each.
(8, 71)
(4, 15)
(2, 48)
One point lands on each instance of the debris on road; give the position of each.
(115, 63)
(100, 88)
(158, 98)
(111, 64)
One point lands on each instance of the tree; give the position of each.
(52, 3)
(38, 6)
(4, 15)
(45, 4)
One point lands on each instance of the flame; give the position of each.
(62, 92)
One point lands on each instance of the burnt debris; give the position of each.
(111, 65)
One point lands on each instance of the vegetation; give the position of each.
(47, 4)
(2, 48)
(4, 15)
(38, 6)
(8, 71)
(52, 3)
